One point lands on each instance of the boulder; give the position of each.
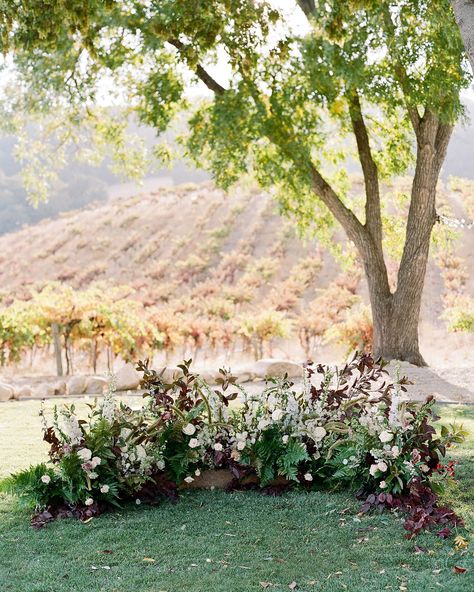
(76, 385)
(6, 392)
(277, 368)
(59, 388)
(127, 378)
(95, 385)
(171, 373)
(23, 392)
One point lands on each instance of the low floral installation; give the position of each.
(343, 427)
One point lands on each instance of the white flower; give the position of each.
(285, 439)
(138, 501)
(95, 461)
(319, 433)
(308, 477)
(382, 466)
(189, 479)
(385, 436)
(189, 429)
(46, 479)
(241, 436)
(104, 489)
(263, 423)
(241, 444)
(277, 414)
(373, 469)
(160, 465)
(197, 472)
(93, 475)
(382, 485)
(193, 443)
(140, 452)
(84, 454)
(345, 461)
(425, 468)
(89, 501)
(218, 447)
(235, 455)
(395, 451)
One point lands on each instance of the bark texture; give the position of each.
(464, 13)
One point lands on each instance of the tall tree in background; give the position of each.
(376, 79)
(464, 12)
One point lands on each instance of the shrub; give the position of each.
(350, 426)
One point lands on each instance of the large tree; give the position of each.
(378, 79)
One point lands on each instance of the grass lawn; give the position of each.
(218, 542)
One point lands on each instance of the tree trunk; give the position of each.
(396, 315)
(464, 13)
(396, 330)
(57, 349)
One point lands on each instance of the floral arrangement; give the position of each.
(351, 426)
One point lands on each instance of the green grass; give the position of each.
(213, 541)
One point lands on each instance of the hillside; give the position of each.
(194, 245)
(80, 183)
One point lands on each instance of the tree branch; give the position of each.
(373, 218)
(307, 6)
(402, 75)
(346, 217)
(200, 72)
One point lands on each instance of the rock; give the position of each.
(6, 392)
(127, 378)
(95, 385)
(212, 479)
(277, 368)
(243, 376)
(23, 392)
(171, 373)
(76, 385)
(59, 388)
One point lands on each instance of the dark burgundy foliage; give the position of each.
(82, 513)
(420, 504)
(158, 489)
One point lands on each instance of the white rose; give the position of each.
(160, 465)
(385, 436)
(285, 439)
(218, 447)
(95, 462)
(308, 477)
(373, 469)
(241, 445)
(84, 454)
(425, 468)
(277, 415)
(241, 436)
(93, 475)
(197, 472)
(395, 451)
(89, 501)
(235, 455)
(189, 429)
(104, 489)
(189, 479)
(382, 485)
(193, 443)
(263, 423)
(382, 466)
(46, 479)
(319, 433)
